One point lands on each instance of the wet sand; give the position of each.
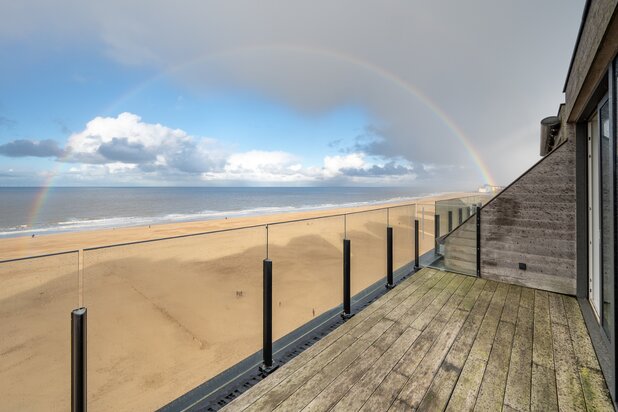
(165, 316)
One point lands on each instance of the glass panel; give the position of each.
(401, 219)
(166, 316)
(460, 209)
(307, 261)
(445, 211)
(606, 219)
(367, 234)
(426, 215)
(460, 249)
(37, 296)
(457, 241)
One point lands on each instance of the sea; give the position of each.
(27, 211)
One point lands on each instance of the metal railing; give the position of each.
(166, 315)
(458, 246)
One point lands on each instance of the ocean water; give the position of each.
(26, 211)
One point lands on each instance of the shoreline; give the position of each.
(27, 246)
(106, 223)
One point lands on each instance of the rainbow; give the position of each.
(41, 196)
(375, 69)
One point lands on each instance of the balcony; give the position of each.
(440, 341)
(181, 323)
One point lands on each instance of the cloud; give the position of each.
(152, 147)
(259, 166)
(121, 150)
(334, 164)
(428, 74)
(127, 150)
(25, 148)
(276, 167)
(388, 169)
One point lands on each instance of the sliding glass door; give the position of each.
(607, 228)
(594, 227)
(600, 216)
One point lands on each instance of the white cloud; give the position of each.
(260, 166)
(274, 161)
(278, 167)
(334, 164)
(472, 59)
(125, 149)
(126, 139)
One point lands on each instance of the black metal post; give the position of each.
(78, 360)
(267, 322)
(436, 233)
(450, 221)
(389, 258)
(478, 241)
(416, 257)
(460, 215)
(347, 299)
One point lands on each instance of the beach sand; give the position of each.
(165, 316)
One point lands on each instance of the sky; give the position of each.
(440, 95)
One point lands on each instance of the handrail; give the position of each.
(137, 242)
(39, 256)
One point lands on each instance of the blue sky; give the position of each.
(207, 93)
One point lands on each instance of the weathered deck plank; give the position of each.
(414, 390)
(386, 393)
(445, 341)
(568, 385)
(465, 393)
(362, 390)
(543, 395)
(335, 391)
(439, 392)
(280, 392)
(595, 390)
(264, 386)
(356, 397)
(517, 393)
(491, 393)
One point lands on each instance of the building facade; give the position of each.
(554, 228)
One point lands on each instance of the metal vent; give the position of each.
(550, 126)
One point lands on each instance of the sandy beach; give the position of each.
(165, 316)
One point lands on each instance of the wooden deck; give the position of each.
(441, 341)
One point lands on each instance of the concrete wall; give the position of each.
(533, 222)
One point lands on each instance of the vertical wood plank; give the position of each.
(491, 393)
(466, 391)
(517, 392)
